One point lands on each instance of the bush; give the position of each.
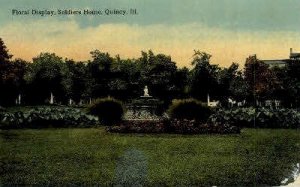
(190, 109)
(109, 110)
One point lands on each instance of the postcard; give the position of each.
(149, 93)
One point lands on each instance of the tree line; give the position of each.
(125, 79)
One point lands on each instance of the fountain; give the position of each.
(143, 108)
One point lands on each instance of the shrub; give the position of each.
(190, 109)
(109, 110)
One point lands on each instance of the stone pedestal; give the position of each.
(143, 108)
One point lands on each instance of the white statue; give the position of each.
(51, 98)
(18, 100)
(146, 94)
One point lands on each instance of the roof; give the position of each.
(278, 63)
(295, 55)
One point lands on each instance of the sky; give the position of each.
(230, 30)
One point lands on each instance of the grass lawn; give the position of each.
(93, 156)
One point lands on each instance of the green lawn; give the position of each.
(93, 156)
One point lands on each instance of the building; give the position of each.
(282, 62)
(294, 56)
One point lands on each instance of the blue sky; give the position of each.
(192, 23)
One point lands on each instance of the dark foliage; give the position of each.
(104, 75)
(109, 110)
(194, 127)
(261, 117)
(43, 117)
(190, 109)
(204, 76)
(174, 126)
(139, 126)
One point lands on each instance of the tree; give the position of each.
(126, 81)
(182, 81)
(100, 72)
(4, 53)
(13, 82)
(18, 69)
(238, 88)
(102, 60)
(80, 80)
(6, 75)
(203, 76)
(158, 73)
(260, 79)
(48, 74)
(290, 78)
(225, 78)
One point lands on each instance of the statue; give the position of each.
(18, 100)
(51, 98)
(146, 94)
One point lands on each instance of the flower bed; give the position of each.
(172, 126)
